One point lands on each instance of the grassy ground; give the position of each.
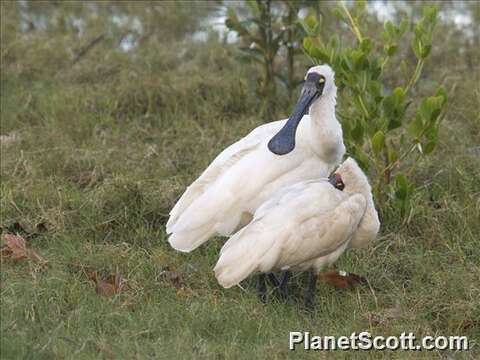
(100, 152)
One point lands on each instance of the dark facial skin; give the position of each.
(337, 182)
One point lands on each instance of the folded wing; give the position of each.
(301, 223)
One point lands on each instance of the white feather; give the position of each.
(246, 173)
(306, 226)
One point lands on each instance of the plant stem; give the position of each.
(404, 155)
(367, 115)
(353, 24)
(292, 12)
(415, 76)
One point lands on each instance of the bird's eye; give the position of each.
(340, 185)
(321, 80)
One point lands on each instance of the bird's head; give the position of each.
(319, 82)
(350, 178)
(325, 75)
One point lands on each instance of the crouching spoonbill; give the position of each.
(248, 172)
(303, 227)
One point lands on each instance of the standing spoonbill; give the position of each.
(303, 227)
(248, 172)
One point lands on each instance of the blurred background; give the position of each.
(110, 109)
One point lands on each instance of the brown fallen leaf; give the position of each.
(16, 249)
(17, 228)
(341, 279)
(113, 284)
(175, 280)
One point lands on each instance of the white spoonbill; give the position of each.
(248, 172)
(303, 227)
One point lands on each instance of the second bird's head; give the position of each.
(349, 177)
(319, 83)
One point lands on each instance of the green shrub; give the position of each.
(385, 127)
(264, 30)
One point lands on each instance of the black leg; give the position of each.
(310, 291)
(283, 288)
(262, 288)
(273, 280)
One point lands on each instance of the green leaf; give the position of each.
(360, 6)
(318, 54)
(311, 22)
(403, 27)
(415, 127)
(426, 109)
(425, 51)
(359, 59)
(402, 187)
(357, 132)
(417, 47)
(430, 12)
(338, 13)
(362, 159)
(378, 142)
(429, 147)
(366, 45)
(430, 107)
(390, 29)
(442, 93)
(392, 155)
(432, 132)
(305, 23)
(392, 49)
(333, 42)
(419, 29)
(394, 123)
(307, 43)
(399, 95)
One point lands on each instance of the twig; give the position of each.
(87, 48)
(353, 23)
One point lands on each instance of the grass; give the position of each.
(100, 152)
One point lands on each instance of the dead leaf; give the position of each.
(15, 228)
(41, 227)
(113, 284)
(19, 229)
(16, 249)
(341, 279)
(175, 280)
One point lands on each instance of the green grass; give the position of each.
(101, 154)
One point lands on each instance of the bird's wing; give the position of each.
(292, 229)
(325, 232)
(225, 160)
(368, 228)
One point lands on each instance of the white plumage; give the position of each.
(306, 226)
(247, 173)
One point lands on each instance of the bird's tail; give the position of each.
(245, 253)
(189, 240)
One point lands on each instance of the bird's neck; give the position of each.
(326, 136)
